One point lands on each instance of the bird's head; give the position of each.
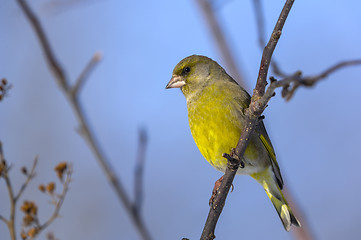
(194, 73)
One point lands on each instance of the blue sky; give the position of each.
(316, 135)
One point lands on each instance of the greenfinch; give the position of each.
(216, 104)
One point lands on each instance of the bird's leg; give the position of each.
(217, 184)
(233, 160)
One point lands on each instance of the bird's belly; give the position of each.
(216, 132)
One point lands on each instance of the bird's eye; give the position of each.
(187, 69)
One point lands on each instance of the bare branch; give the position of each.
(296, 80)
(258, 9)
(252, 113)
(260, 22)
(218, 34)
(2, 158)
(267, 54)
(50, 57)
(85, 129)
(139, 172)
(310, 81)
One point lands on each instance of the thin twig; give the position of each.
(12, 197)
(5, 175)
(31, 226)
(296, 80)
(139, 172)
(30, 176)
(60, 200)
(2, 158)
(252, 113)
(4, 220)
(218, 34)
(258, 9)
(310, 81)
(260, 22)
(2, 174)
(85, 73)
(85, 129)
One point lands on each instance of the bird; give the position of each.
(216, 104)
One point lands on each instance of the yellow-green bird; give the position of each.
(215, 105)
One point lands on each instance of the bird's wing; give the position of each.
(268, 145)
(243, 100)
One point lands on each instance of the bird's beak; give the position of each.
(175, 82)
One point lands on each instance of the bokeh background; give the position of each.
(316, 135)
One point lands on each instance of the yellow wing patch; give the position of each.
(269, 148)
(272, 154)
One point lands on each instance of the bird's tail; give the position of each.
(267, 180)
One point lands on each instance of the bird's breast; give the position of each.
(216, 122)
(215, 126)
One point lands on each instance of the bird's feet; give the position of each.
(217, 184)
